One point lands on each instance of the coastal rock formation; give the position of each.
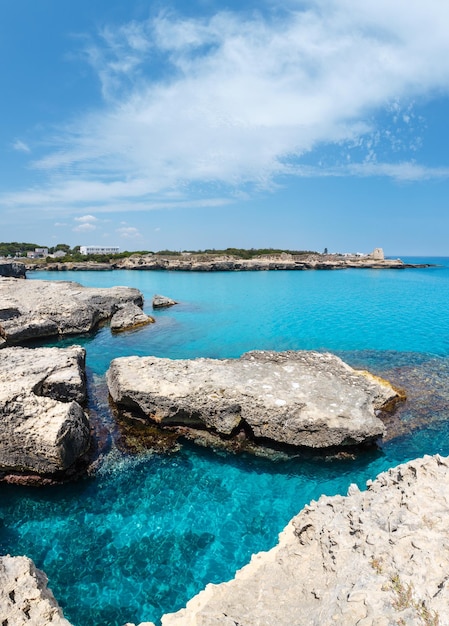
(12, 269)
(292, 398)
(37, 308)
(161, 302)
(284, 261)
(372, 558)
(72, 266)
(43, 428)
(24, 596)
(129, 317)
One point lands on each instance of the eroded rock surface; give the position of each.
(373, 558)
(43, 427)
(36, 308)
(295, 398)
(129, 317)
(24, 596)
(12, 269)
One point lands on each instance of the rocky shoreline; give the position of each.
(32, 309)
(220, 263)
(372, 558)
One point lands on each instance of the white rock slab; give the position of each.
(295, 398)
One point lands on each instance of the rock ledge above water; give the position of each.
(373, 558)
(31, 309)
(299, 398)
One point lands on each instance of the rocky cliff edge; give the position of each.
(378, 557)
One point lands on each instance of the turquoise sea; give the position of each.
(149, 530)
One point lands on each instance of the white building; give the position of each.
(39, 253)
(99, 250)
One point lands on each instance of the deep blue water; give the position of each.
(149, 531)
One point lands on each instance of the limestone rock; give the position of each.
(296, 398)
(270, 262)
(160, 302)
(37, 308)
(12, 269)
(373, 558)
(25, 599)
(129, 317)
(43, 427)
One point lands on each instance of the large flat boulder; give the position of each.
(373, 558)
(37, 308)
(25, 599)
(43, 427)
(294, 398)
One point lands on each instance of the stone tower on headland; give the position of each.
(378, 254)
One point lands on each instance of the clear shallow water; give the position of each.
(148, 532)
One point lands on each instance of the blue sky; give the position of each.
(303, 124)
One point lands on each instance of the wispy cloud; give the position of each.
(199, 110)
(21, 146)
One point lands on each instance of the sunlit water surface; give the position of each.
(149, 531)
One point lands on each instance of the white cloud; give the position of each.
(21, 146)
(242, 101)
(85, 219)
(85, 227)
(129, 232)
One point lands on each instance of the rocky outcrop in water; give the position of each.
(162, 302)
(43, 427)
(36, 308)
(291, 398)
(12, 269)
(129, 317)
(374, 558)
(25, 599)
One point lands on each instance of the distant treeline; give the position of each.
(16, 249)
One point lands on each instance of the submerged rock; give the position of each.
(38, 308)
(43, 427)
(161, 302)
(375, 558)
(24, 596)
(292, 398)
(129, 317)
